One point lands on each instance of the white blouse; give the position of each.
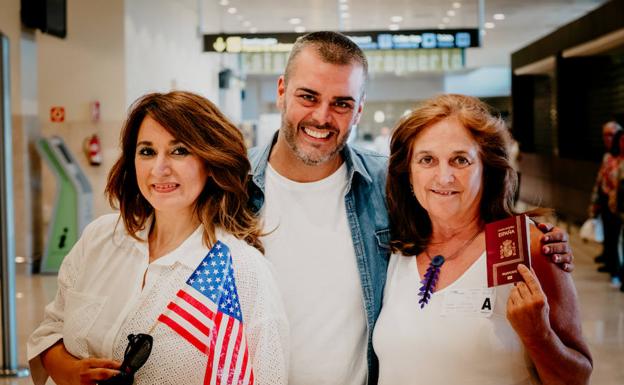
(462, 336)
(100, 301)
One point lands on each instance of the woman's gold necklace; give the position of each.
(433, 271)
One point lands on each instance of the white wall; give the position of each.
(164, 50)
(394, 88)
(481, 82)
(86, 66)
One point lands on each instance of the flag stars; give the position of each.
(215, 279)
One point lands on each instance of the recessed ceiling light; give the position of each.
(294, 21)
(232, 10)
(489, 25)
(344, 7)
(343, 1)
(345, 15)
(499, 16)
(441, 26)
(224, 2)
(300, 29)
(450, 12)
(396, 19)
(246, 23)
(456, 5)
(445, 19)
(253, 30)
(393, 27)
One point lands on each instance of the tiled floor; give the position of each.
(602, 311)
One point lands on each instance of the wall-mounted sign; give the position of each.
(57, 114)
(398, 62)
(367, 40)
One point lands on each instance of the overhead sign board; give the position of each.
(367, 40)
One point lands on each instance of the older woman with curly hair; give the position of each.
(449, 174)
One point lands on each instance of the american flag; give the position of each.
(206, 312)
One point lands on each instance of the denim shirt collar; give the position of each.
(259, 164)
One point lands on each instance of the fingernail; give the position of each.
(556, 258)
(546, 238)
(546, 249)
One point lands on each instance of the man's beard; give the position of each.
(290, 134)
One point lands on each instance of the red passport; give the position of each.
(507, 244)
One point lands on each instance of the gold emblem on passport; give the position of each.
(508, 249)
(507, 243)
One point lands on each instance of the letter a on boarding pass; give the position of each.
(469, 302)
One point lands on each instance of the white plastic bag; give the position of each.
(592, 230)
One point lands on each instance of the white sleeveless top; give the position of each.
(461, 337)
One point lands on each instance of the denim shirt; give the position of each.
(367, 214)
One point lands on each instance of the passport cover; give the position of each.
(507, 244)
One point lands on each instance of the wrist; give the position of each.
(538, 338)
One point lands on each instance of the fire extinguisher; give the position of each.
(93, 150)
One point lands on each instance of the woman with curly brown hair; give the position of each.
(449, 174)
(181, 257)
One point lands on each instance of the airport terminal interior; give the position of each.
(552, 69)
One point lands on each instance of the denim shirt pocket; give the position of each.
(383, 240)
(81, 311)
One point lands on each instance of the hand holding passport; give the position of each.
(507, 244)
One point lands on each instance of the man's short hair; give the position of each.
(332, 47)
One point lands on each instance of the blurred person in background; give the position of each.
(604, 187)
(616, 204)
(382, 141)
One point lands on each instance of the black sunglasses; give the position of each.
(137, 352)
